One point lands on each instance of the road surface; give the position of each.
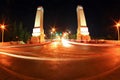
(60, 61)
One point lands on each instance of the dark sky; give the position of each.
(100, 14)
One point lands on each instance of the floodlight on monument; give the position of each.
(84, 31)
(36, 32)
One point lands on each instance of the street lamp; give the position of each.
(52, 31)
(51, 34)
(2, 28)
(118, 25)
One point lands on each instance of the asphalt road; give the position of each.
(58, 61)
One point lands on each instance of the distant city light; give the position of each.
(53, 29)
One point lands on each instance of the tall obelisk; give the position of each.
(82, 30)
(38, 31)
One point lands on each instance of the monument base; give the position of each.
(42, 39)
(35, 39)
(83, 38)
(78, 37)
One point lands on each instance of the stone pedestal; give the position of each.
(35, 40)
(42, 38)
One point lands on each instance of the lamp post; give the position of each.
(51, 34)
(52, 31)
(2, 28)
(118, 25)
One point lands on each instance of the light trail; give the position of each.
(43, 58)
(65, 42)
(76, 43)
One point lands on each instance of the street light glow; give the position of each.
(118, 25)
(52, 32)
(2, 27)
(53, 29)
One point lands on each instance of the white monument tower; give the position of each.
(82, 30)
(38, 31)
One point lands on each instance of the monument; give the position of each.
(38, 31)
(82, 30)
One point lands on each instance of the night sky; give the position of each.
(100, 14)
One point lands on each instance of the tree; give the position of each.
(18, 33)
(72, 36)
(23, 34)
